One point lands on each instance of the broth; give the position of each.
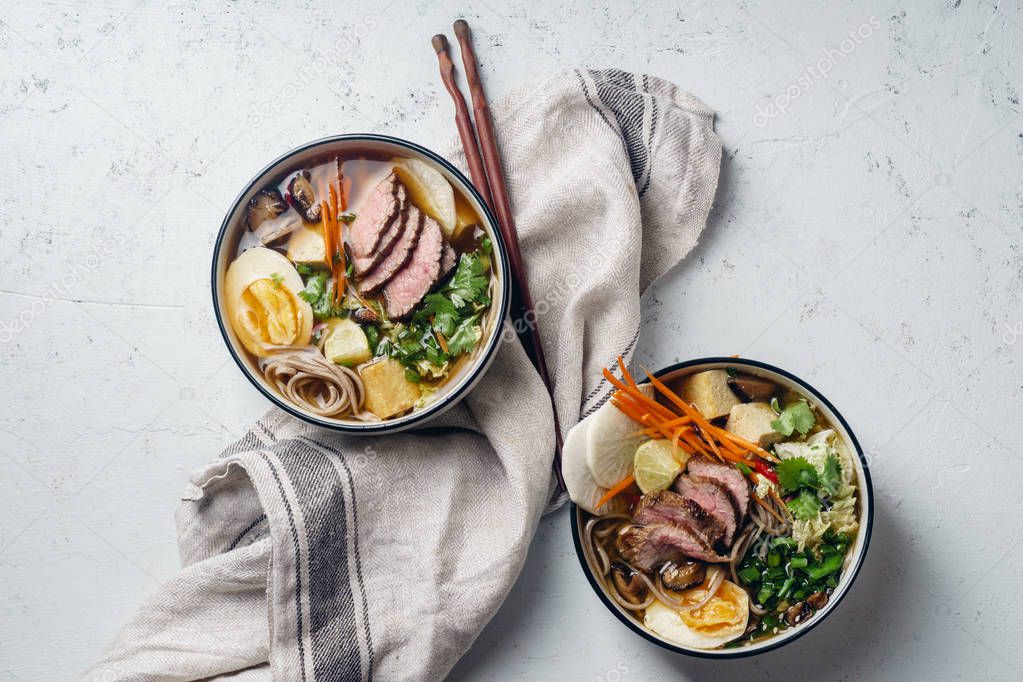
(362, 285)
(721, 447)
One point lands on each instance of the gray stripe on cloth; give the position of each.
(332, 618)
(298, 560)
(339, 461)
(620, 93)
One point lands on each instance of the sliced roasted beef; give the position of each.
(412, 282)
(649, 547)
(374, 217)
(725, 475)
(398, 256)
(714, 500)
(686, 574)
(665, 506)
(448, 260)
(364, 263)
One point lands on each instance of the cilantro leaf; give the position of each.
(465, 336)
(317, 293)
(304, 269)
(445, 315)
(468, 283)
(314, 288)
(804, 506)
(796, 417)
(795, 473)
(831, 477)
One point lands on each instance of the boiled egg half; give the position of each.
(718, 622)
(261, 295)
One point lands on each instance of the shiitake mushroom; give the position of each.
(752, 388)
(366, 316)
(680, 576)
(628, 583)
(303, 197)
(266, 205)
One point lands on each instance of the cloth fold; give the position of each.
(308, 555)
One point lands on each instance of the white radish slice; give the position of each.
(582, 489)
(611, 443)
(430, 191)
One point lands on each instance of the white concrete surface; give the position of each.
(867, 237)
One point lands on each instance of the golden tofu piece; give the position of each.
(710, 393)
(306, 247)
(752, 421)
(388, 392)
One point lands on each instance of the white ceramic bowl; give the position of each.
(375, 146)
(854, 558)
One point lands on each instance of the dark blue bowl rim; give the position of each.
(867, 527)
(482, 363)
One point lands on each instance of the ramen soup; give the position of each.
(720, 507)
(361, 286)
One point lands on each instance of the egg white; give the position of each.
(263, 263)
(667, 623)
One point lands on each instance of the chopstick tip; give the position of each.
(440, 43)
(461, 28)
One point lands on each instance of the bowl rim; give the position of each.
(866, 528)
(481, 364)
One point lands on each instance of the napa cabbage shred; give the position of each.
(818, 474)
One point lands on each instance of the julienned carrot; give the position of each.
(638, 396)
(338, 266)
(767, 508)
(325, 224)
(625, 373)
(328, 235)
(722, 435)
(441, 341)
(752, 447)
(618, 487)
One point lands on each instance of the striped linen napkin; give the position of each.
(309, 555)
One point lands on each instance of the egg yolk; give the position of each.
(271, 314)
(724, 610)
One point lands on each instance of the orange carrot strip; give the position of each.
(333, 199)
(625, 373)
(618, 487)
(638, 396)
(639, 403)
(705, 426)
(678, 442)
(441, 341)
(752, 447)
(326, 232)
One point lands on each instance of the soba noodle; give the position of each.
(309, 380)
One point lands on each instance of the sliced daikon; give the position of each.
(611, 443)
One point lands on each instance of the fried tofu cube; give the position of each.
(306, 247)
(752, 421)
(388, 391)
(710, 392)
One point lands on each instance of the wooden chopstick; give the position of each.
(492, 185)
(462, 119)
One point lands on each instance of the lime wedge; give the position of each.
(656, 465)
